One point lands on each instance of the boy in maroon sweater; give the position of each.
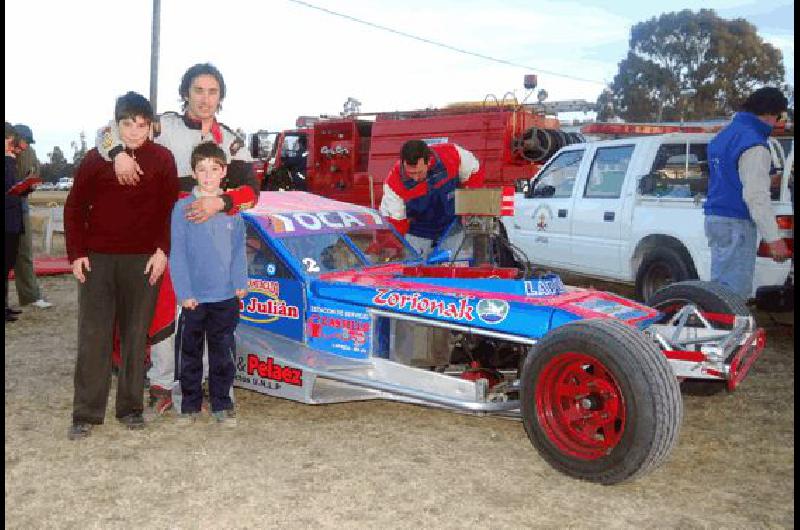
(117, 241)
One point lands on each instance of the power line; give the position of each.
(442, 45)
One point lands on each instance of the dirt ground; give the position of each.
(370, 464)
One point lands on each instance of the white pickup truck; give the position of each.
(630, 210)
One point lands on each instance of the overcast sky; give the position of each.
(66, 62)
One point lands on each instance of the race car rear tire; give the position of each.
(709, 297)
(600, 401)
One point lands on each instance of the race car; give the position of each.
(341, 308)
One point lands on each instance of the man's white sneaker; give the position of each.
(42, 304)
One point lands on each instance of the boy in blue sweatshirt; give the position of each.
(208, 265)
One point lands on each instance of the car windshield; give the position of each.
(340, 251)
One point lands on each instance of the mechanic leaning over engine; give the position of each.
(419, 193)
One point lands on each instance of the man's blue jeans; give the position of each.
(733, 252)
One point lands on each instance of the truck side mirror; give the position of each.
(528, 190)
(543, 191)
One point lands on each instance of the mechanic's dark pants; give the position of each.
(116, 286)
(216, 321)
(11, 246)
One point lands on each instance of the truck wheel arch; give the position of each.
(667, 250)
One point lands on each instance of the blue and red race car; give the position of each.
(340, 308)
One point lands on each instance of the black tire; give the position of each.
(662, 266)
(633, 379)
(708, 297)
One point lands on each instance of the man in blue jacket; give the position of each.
(738, 206)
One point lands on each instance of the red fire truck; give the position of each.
(347, 158)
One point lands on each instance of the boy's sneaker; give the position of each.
(160, 399)
(133, 422)
(41, 303)
(187, 418)
(78, 431)
(225, 417)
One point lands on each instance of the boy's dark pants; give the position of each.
(116, 285)
(216, 321)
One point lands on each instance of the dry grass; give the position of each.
(370, 464)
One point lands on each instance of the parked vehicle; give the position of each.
(347, 158)
(630, 210)
(64, 184)
(340, 308)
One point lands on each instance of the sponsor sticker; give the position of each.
(492, 311)
(319, 222)
(108, 138)
(424, 305)
(544, 287)
(263, 304)
(269, 369)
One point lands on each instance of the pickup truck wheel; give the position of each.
(600, 401)
(660, 267)
(719, 303)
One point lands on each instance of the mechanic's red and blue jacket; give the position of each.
(426, 208)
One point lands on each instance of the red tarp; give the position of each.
(49, 265)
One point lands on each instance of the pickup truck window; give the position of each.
(608, 172)
(678, 174)
(558, 178)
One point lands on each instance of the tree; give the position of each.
(57, 166)
(671, 56)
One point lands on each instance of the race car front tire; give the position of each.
(600, 401)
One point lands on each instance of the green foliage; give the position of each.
(58, 166)
(722, 60)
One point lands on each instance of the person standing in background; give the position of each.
(13, 218)
(28, 290)
(738, 206)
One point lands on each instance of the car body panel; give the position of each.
(311, 318)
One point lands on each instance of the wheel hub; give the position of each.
(580, 406)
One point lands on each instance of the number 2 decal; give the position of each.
(311, 265)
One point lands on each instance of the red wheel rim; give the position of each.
(580, 406)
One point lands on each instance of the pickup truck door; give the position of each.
(542, 217)
(597, 211)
